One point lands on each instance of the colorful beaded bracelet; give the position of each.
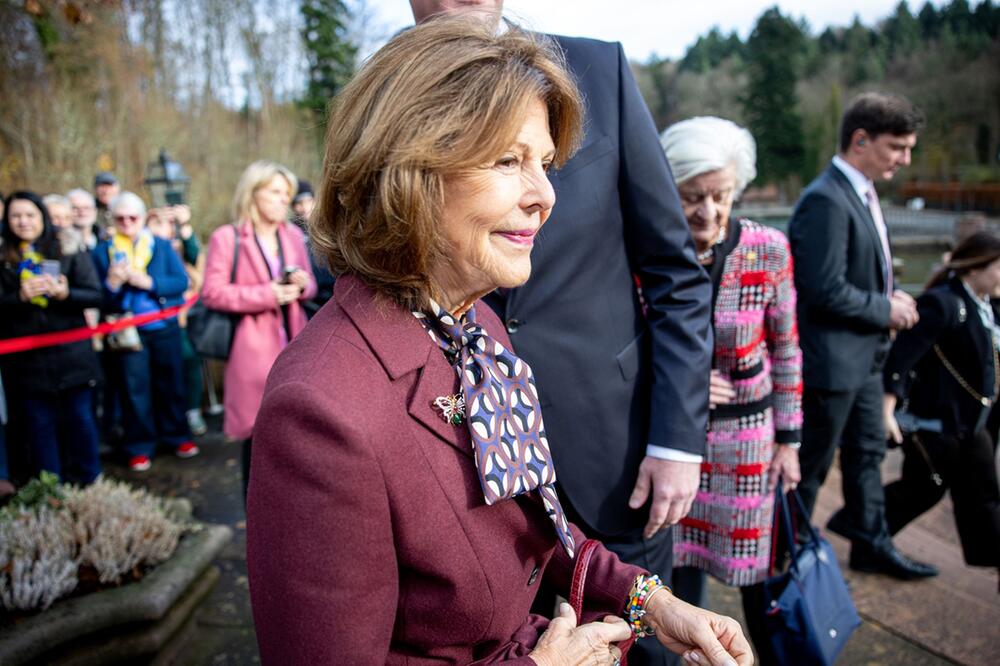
(642, 589)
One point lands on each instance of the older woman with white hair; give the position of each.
(756, 381)
(142, 274)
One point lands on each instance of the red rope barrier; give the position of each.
(12, 345)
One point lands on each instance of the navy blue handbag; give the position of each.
(809, 613)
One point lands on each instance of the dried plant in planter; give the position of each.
(52, 535)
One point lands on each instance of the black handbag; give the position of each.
(211, 331)
(808, 610)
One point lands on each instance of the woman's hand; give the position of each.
(140, 280)
(892, 430)
(299, 278)
(701, 636)
(565, 644)
(117, 275)
(36, 286)
(285, 293)
(784, 465)
(720, 390)
(59, 287)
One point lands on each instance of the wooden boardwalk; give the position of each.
(956, 615)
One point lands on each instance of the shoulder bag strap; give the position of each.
(236, 253)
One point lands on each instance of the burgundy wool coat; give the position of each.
(368, 539)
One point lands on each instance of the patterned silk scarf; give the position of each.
(505, 421)
(30, 267)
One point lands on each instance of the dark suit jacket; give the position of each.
(610, 380)
(842, 308)
(948, 318)
(368, 539)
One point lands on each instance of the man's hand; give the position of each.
(672, 485)
(902, 311)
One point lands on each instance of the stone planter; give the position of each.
(123, 623)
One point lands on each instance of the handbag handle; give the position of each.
(578, 585)
(783, 509)
(579, 581)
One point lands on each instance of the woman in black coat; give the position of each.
(946, 372)
(42, 291)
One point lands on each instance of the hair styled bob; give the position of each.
(441, 98)
(704, 144)
(254, 177)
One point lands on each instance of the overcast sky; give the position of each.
(664, 27)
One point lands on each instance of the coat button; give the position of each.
(533, 576)
(513, 325)
(895, 376)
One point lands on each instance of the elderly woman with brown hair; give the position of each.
(402, 505)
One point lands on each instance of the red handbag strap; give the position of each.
(579, 582)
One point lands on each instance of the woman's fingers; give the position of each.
(712, 651)
(612, 629)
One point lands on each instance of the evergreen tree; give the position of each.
(930, 21)
(710, 50)
(987, 18)
(770, 102)
(331, 54)
(861, 59)
(902, 32)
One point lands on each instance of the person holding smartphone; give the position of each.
(42, 291)
(265, 289)
(142, 274)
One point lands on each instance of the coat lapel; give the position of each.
(248, 245)
(402, 346)
(981, 338)
(438, 378)
(861, 210)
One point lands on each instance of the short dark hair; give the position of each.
(879, 113)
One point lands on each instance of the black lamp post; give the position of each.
(166, 181)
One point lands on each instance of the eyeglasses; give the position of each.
(128, 218)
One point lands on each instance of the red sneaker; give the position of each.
(139, 463)
(188, 450)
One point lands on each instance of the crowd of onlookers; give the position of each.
(71, 261)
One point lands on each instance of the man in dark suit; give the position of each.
(847, 309)
(625, 395)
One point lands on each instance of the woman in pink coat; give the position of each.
(272, 279)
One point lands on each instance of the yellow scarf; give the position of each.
(137, 254)
(31, 267)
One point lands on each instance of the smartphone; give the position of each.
(286, 274)
(51, 268)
